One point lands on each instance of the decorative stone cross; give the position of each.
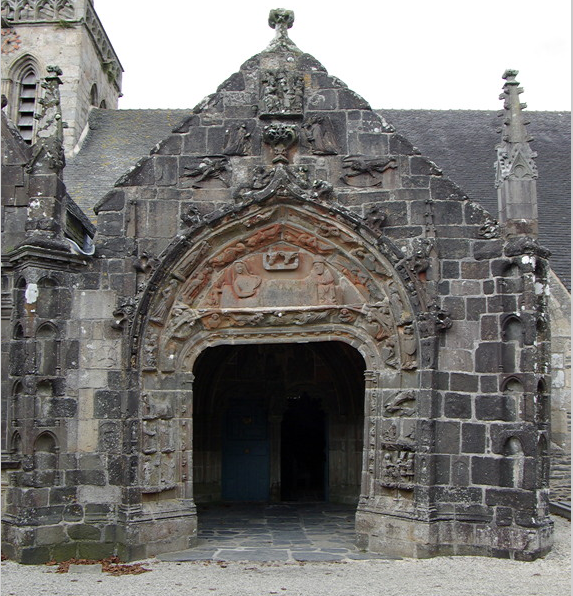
(281, 20)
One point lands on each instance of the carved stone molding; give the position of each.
(285, 181)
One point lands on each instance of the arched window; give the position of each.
(94, 96)
(103, 105)
(27, 92)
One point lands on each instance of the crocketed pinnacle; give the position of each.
(514, 123)
(515, 158)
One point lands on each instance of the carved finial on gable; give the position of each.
(515, 166)
(281, 20)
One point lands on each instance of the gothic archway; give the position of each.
(283, 272)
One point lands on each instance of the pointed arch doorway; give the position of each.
(278, 422)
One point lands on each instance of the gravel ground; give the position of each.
(442, 576)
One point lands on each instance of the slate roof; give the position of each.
(460, 142)
(115, 141)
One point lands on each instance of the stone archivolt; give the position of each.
(282, 267)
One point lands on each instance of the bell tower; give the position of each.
(63, 33)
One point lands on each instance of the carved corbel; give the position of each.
(123, 315)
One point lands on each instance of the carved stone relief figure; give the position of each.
(408, 345)
(420, 258)
(263, 236)
(281, 260)
(325, 282)
(401, 403)
(197, 283)
(166, 300)
(364, 171)
(124, 313)
(207, 168)
(237, 140)
(191, 216)
(379, 321)
(396, 302)
(319, 133)
(150, 470)
(150, 350)
(149, 436)
(281, 93)
(397, 469)
(308, 241)
(228, 255)
(239, 286)
(375, 218)
(322, 190)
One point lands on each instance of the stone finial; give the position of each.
(515, 166)
(281, 20)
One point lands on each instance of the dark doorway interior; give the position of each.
(276, 422)
(304, 451)
(246, 464)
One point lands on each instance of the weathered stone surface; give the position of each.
(283, 270)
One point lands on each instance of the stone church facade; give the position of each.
(284, 301)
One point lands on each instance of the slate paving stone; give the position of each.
(316, 556)
(188, 555)
(275, 533)
(262, 554)
(367, 556)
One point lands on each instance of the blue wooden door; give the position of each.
(246, 453)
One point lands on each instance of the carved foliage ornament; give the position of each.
(284, 181)
(280, 137)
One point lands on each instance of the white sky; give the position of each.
(432, 54)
